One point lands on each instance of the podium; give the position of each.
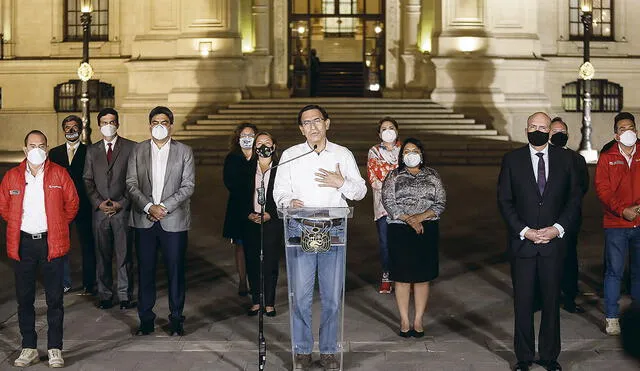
(316, 246)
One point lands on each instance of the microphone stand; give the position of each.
(262, 200)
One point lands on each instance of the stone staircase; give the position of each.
(449, 137)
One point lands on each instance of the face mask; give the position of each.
(246, 142)
(264, 151)
(559, 139)
(159, 132)
(537, 138)
(36, 156)
(108, 130)
(628, 138)
(412, 159)
(72, 137)
(389, 136)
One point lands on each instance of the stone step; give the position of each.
(228, 124)
(380, 108)
(293, 138)
(350, 115)
(470, 132)
(337, 100)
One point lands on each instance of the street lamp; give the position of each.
(85, 71)
(586, 73)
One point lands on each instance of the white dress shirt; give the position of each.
(296, 180)
(159, 159)
(113, 144)
(534, 162)
(34, 216)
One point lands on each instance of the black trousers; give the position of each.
(173, 246)
(547, 272)
(33, 254)
(84, 229)
(569, 283)
(272, 251)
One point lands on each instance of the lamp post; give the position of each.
(586, 73)
(85, 72)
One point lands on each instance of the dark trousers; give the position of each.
(84, 229)
(569, 283)
(173, 246)
(113, 240)
(525, 272)
(33, 254)
(272, 247)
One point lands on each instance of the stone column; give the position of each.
(410, 25)
(6, 26)
(411, 57)
(261, 29)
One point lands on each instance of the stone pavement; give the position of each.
(469, 323)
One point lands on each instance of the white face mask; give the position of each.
(389, 136)
(412, 159)
(108, 130)
(159, 132)
(36, 156)
(246, 142)
(628, 138)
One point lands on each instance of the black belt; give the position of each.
(37, 236)
(322, 223)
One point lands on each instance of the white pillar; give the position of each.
(410, 25)
(261, 26)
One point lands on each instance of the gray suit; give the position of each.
(170, 233)
(179, 184)
(104, 181)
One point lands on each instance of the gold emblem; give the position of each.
(85, 71)
(586, 71)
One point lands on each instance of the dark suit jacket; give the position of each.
(247, 199)
(522, 205)
(59, 156)
(108, 181)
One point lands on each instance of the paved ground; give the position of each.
(469, 324)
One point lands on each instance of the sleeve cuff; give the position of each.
(147, 207)
(523, 232)
(560, 230)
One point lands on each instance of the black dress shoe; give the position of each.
(87, 292)
(253, 312)
(522, 366)
(105, 304)
(145, 328)
(270, 313)
(417, 334)
(177, 328)
(572, 307)
(405, 334)
(550, 365)
(126, 304)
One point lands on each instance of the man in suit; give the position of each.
(161, 180)
(539, 198)
(559, 135)
(105, 173)
(71, 156)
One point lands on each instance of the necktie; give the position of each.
(109, 152)
(70, 152)
(542, 178)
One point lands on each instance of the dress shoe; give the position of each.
(303, 361)
(405, 334)
(145, 328)
(417, 334)
(270, 313)
(105, 304)
(87, 292)
(522, 366)
(177, 328)
(253, 312)
(126, 304)
(572, 307)
(550, 365)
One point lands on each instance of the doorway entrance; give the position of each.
(336, 48)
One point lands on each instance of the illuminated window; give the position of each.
(602, 20)
(66, 96)
(99, 20)
(605, 96)
(339, 26)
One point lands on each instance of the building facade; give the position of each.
(494, 60)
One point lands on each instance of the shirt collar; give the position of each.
(533, 151)
(155, 146)
(633, 152)
(329, 147)
(73, 146)
(113, 142)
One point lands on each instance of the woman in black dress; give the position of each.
(414, 198)
(265, 157)
(235, 171)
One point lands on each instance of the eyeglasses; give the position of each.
(316, 121)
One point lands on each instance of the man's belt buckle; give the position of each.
(37, 236)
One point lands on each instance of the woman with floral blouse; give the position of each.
(383, 157)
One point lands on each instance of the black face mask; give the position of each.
(559, 139)
(537, 138)
(264, 151)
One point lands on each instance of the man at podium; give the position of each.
(321, 174)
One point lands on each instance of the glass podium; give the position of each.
(316, 249)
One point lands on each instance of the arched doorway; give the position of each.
(347, 37)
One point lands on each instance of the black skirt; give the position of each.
(413, 257)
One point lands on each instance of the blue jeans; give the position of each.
(302, 268)
(381, 225)
(617, 242)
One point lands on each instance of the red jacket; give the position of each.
(618, 186)
(60, 203)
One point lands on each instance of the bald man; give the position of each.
(539, 198)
